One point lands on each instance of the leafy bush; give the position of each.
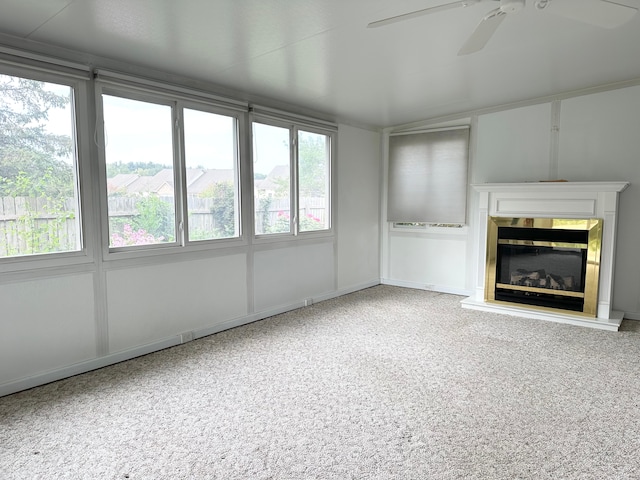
(155, 217)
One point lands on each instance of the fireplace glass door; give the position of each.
(544, 263)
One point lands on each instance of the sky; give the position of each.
(60, 120)
(271, 147)
(137, 131)
(140, 131)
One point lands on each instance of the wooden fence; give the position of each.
(31, 225)
(312, 213)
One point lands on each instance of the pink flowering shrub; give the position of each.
(130, 236)
(308, 223)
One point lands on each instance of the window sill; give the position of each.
(45, 262)
(462, 230)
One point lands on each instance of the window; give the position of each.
(39, 201)
(290, 179)
(314, 155)
(272, 179)
(140, 173)
(171, 172)
(211, 156)
(428, 177)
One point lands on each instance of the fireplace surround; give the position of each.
(544, 263)
(546, 250)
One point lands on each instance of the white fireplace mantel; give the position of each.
(552, 200)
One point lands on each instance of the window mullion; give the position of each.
(180, 189)
(295, 210)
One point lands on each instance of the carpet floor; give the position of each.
(385, 383)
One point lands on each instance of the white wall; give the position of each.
(416, 264)
(591, 137)
(600, 140)
(46, 323)
(59, 322)
(285, 276)
(359, 180)
(146, 304)
(513, 146)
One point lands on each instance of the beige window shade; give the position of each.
(428, 176)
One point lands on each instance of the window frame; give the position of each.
(294, 127)
(102, 141)
(177, 103)
(330, 183)
(78, 81)
(292, 192)
(239, 134)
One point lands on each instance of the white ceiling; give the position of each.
(318, 54)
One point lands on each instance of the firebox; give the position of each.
(544, 263)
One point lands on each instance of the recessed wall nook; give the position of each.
(546, 250)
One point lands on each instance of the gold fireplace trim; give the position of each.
(593, 246)
(537, 243)
(560, 293)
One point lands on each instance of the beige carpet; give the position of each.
(386, 383)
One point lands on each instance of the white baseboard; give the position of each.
(184, 337)
(87, 366)
(426, 286)
(632, 316)
(352, 289)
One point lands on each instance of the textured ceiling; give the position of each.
(318, 54)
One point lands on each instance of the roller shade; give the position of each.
(428, 176)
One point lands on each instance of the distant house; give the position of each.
(273, 181)
(209, 178)
(120, 182)
(145, 185)
(199, 181)
(162, 183)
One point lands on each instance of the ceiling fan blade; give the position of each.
(483, 32)
(601, 13)
(419, 13)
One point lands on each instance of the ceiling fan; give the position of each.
(601, 13)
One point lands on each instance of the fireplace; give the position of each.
(544, 263)
(546, 250)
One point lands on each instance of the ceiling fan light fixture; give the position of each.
(600, 13)
(541, 4)
(511, 6)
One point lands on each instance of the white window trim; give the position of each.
(430, 229)
(330, 174)
(240, 122)
(165, 97)
(277, 118)
(35, 67)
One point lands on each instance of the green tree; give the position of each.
(36, 164)
(140, 168)
(312, 164)
(156, 217)
(223, 209)
(32, 160)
